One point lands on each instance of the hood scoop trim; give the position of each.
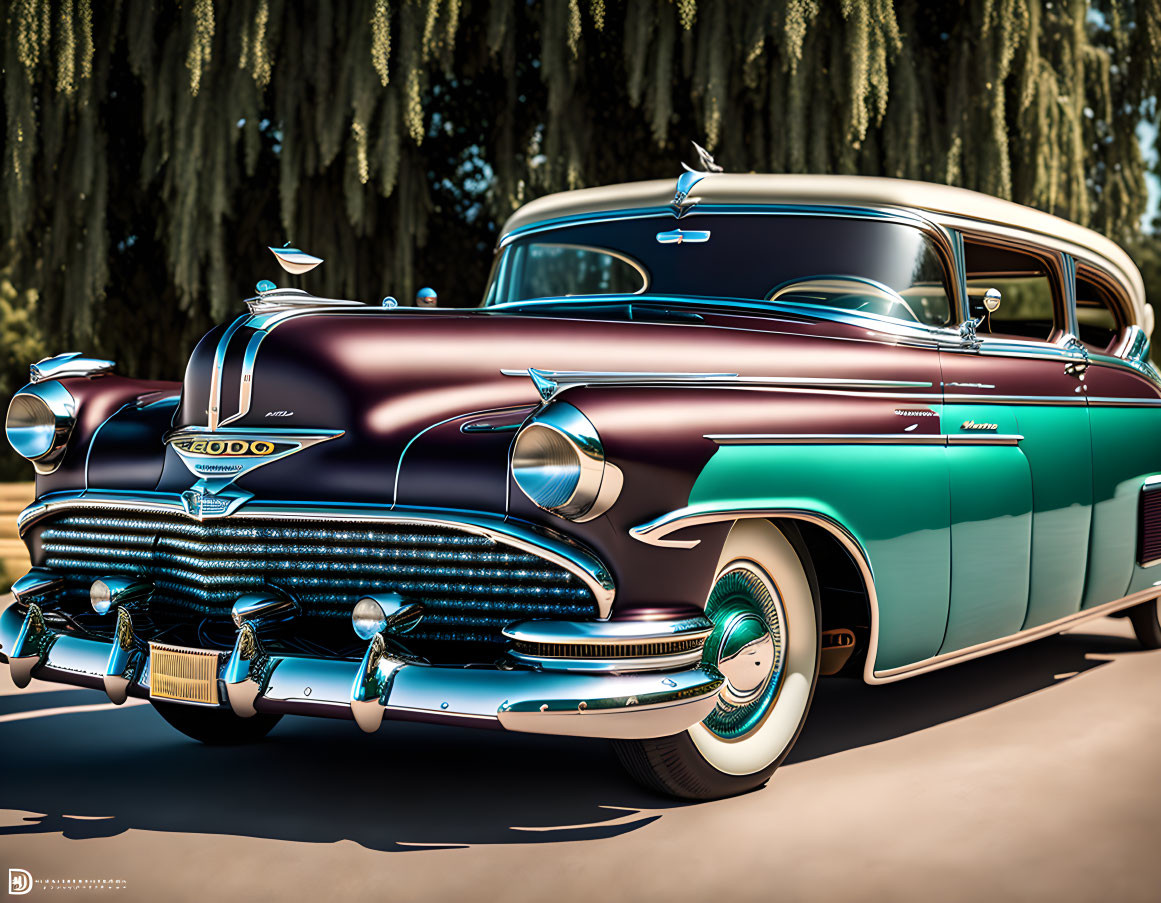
(282, 299)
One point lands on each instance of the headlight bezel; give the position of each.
(40, 419)
(559, 464)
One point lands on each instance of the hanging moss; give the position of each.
(175, 139)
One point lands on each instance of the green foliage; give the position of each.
(153, 148)
(21, 343)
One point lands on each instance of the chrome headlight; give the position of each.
(40, 419)
(559, 463)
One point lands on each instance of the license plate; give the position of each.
(188, 675)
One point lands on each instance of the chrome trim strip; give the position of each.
(551, 546)
(550, 383)
(1016, 399)
(609, 633)
(213, 411)
(863, 439)
(1015, 639)
(611, 665)
(1105, 402)
(246, 385)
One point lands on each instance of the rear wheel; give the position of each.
(766, 644)
(216, 727)
(1146, 620)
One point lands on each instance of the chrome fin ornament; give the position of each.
(71, 363)
(682, 203)
(294, 261)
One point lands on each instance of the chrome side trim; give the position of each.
(1053, 400)
(862, 439)
(1104, 402)
(543, 543)
(550, 383)
(1015, 639)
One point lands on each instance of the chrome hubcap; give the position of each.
(747, 646)
(745, 657)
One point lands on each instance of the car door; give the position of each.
(1125, 410)
(1019, 452)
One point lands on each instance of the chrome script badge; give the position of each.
(219, 457)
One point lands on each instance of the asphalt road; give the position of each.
(1034, 774)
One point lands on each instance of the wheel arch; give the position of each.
(842, 597)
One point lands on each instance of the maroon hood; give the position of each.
(403, 383)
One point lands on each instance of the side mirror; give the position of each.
(980, 305)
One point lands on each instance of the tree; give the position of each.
(153, 148)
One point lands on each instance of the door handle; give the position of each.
(1076, 368)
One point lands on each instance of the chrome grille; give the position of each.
(470, 585)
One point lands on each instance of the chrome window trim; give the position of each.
(549, 545)
(642, 271)
(942, 237)
(879, 327)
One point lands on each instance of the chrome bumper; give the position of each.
(382, 686)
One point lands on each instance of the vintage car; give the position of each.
(700, 444)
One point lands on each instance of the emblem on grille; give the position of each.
(219, 457)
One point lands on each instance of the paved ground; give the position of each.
(13, 555)
(1031, 775)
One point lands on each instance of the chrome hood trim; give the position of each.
(546, 544)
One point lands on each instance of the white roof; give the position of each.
(937, 202)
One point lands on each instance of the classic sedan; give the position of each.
(701, 444)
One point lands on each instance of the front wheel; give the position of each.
(766, 644)
(216, 727)
(1146, 620)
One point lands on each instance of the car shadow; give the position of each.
(413, 786)
(849, 713)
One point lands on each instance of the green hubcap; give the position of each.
(747, 646)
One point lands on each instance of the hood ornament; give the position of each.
(294, 261)
(682, 203)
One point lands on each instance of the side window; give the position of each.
(1096, 317)
(1027, 306)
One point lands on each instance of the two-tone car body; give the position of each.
(700, 444)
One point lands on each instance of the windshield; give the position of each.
(867, 265)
